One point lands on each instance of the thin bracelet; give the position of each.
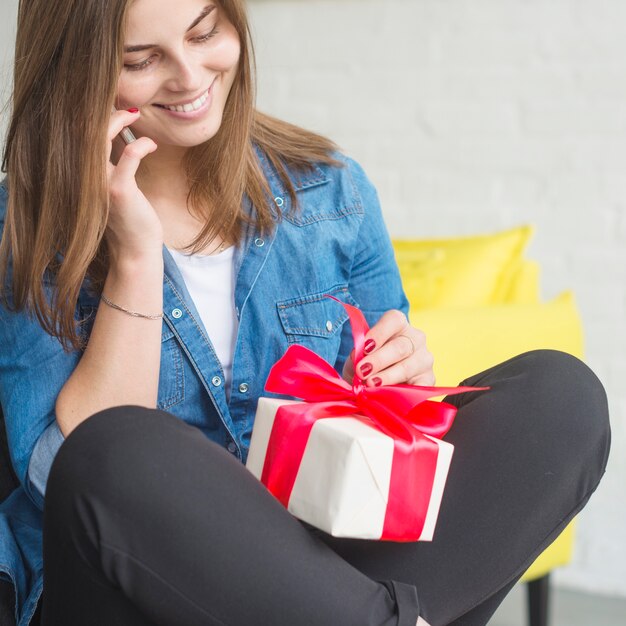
(133, 313)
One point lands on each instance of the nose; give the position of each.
(185, 73)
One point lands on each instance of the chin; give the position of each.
(198, 140)
(191, 138)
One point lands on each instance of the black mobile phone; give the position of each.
(126, 134)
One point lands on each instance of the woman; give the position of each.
(166, 276)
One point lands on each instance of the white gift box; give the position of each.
(342, 484)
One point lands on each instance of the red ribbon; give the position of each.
(403, 412)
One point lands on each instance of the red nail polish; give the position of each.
(377, 381)
(133, 110)
(366, 369)
(370, 344)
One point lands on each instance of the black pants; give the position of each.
(148, 522)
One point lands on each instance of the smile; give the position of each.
(191, 111)
(190, 106)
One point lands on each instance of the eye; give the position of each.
(208, 35)
(135, 67)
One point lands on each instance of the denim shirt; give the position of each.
(334, 243)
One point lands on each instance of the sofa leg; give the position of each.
(538, 601)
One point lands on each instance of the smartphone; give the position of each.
(126, 134)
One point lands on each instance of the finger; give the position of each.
(119, 121)
(398, 348)
(416, 370)
(391, 323)
(131, 158)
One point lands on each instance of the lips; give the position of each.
(188, 105)
(192, 106)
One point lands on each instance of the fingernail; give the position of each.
(370, 344)
(133, 110)
(366, 369)
(377, 381)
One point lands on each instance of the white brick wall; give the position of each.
(473, 115)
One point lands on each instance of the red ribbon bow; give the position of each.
(403, 412)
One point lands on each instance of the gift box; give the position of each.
(355, 461)
(343, 481)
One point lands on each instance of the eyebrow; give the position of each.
(207, 9)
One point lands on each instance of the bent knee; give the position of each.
(559, 364)
(556, 397)
(572, 400)
(563, 377)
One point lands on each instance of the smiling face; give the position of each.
(179, 67)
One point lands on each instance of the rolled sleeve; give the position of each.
(41, 459)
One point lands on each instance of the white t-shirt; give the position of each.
(210, 281)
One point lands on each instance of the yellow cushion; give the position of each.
(465, 341)
(461, 271)
(524, 285)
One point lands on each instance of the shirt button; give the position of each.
(329, 325)
(216, 380)
(279, 201)
(232, 447)
(176, 313)
(243, 387)
(259, 243)
(237, 312)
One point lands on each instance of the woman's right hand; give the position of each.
(134, 229)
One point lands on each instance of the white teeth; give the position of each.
(192, 106)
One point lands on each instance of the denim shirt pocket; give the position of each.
(316, 321)
(171, 373)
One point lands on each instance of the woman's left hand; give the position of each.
(395, 353)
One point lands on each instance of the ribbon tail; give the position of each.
(433, 418)
(359, 326)
(397, 409)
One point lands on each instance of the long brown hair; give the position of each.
(68, 57)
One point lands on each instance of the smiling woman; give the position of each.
(146, 291)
